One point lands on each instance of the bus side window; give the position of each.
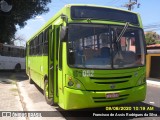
(16, 52)
(1, 49)
(36, 46)
(45, 42)
(31, 48)
(23, 53)
(9, 51)
(20, 52)
(40, 44)
(5, 50)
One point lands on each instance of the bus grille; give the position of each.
(105, 78)
(110, 80)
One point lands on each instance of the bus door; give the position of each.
(53, 63)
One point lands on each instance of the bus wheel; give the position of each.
(17, 68)
(30, 80)
(48, 100)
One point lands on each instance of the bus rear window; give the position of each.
(85, 12)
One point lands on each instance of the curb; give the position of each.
(21, 99)
(153, 82)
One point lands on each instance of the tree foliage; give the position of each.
(151, 38)
(22, 11)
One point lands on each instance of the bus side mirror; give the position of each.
(63, 33)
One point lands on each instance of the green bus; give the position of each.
(89, 56)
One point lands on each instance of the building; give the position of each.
(153, 61)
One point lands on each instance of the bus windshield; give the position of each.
(98, 46)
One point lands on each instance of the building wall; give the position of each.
(148, 63)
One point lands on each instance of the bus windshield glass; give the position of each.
(98, 46)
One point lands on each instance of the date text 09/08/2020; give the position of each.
(139, 108)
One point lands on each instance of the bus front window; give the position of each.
(97, 46)
(89, 46)
(129, 50)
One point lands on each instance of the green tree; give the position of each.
(22, 11)
(151, 38)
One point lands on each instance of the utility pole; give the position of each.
(131, 3)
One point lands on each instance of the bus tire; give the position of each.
(30, 80)
(45, 92)
(17, 68)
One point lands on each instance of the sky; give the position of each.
(148, 10)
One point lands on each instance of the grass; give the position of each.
(13, 82)
(14, 89)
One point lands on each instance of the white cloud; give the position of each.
(39, 18)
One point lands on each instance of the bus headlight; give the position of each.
(78, 85)
(142, 80)
(74, 83)
(70, 83)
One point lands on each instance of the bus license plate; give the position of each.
(112, 95)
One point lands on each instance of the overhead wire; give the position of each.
(152, 27)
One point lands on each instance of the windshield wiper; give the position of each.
(118, 55)
(123, 31)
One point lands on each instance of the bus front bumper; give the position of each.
(77, 99)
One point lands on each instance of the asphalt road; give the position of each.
(33, 100)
